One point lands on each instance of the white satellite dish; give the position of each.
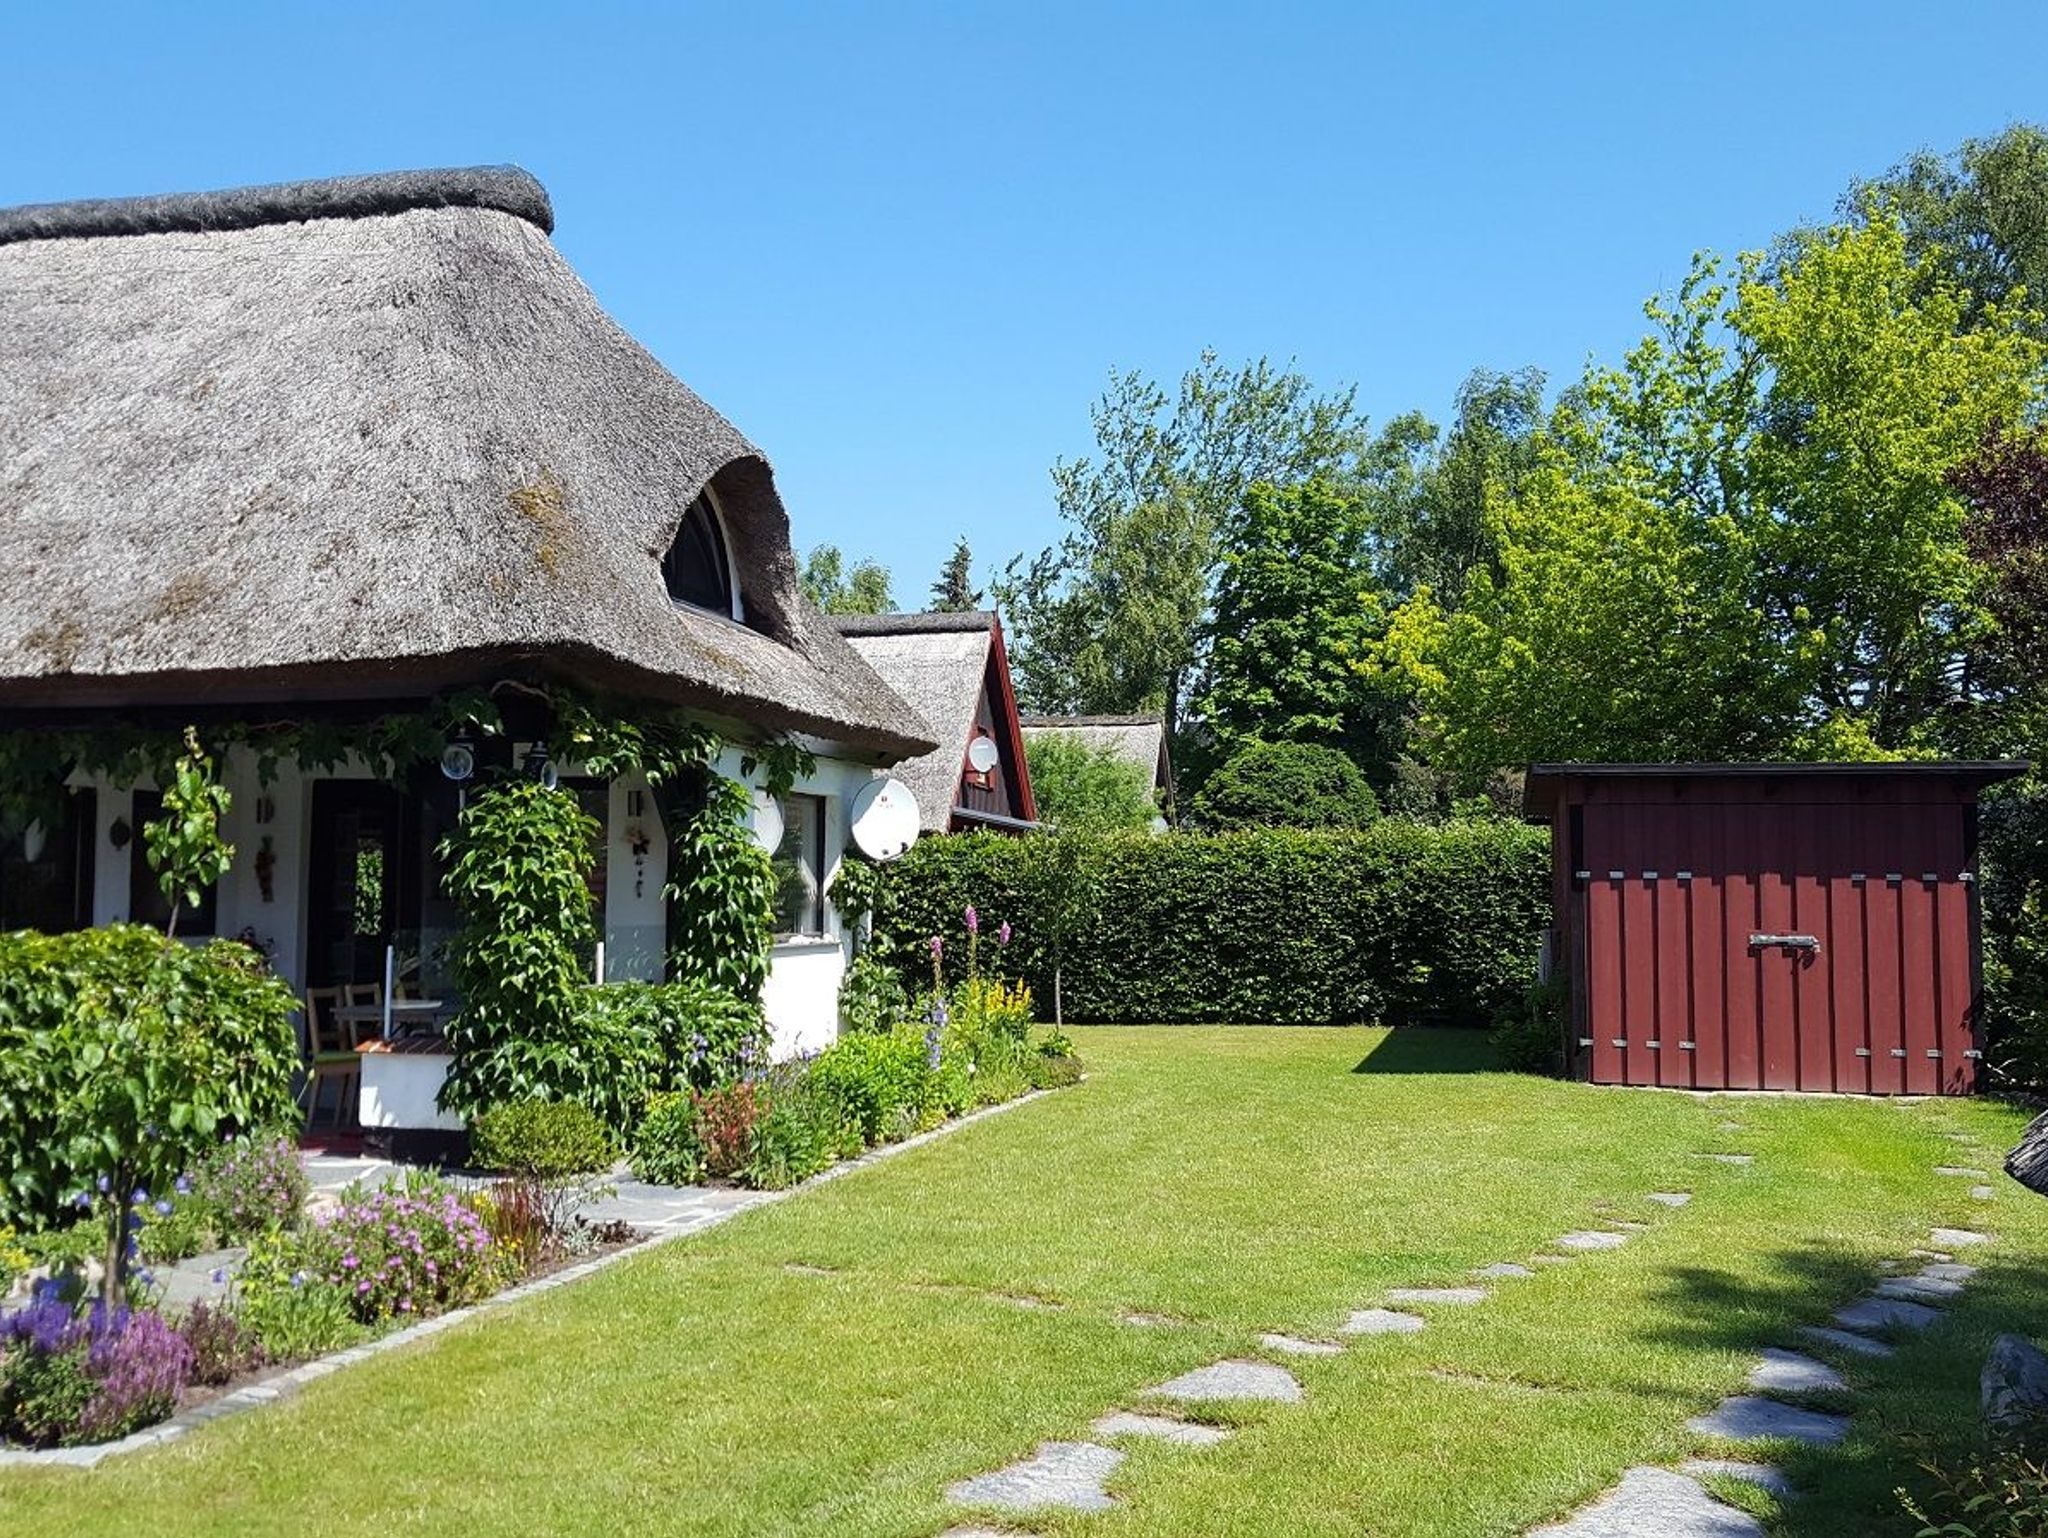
(983, 755)
(884, 819)
(764, 821)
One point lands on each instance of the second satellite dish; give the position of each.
(764, 821)
(884, 819)
(983, 755)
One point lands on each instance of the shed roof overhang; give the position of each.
(1545, 783)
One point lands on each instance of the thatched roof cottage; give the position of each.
(331, 448)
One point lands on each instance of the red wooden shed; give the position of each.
(1768, 926)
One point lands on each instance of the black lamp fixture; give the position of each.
(541, 767)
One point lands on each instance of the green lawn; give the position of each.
(1235, 1180)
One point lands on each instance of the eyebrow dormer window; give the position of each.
(698, 568)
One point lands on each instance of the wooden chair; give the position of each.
(331, 1047)
(365, 993)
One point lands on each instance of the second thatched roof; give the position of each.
(370, 436)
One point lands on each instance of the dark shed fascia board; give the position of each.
(1544, 782)
(982, 819)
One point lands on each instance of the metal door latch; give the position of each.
(1790, 942)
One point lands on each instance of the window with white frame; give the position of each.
(800, 869)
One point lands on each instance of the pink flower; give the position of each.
(938, 947)
(1003, 933)
(973, 920)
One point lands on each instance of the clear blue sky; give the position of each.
(902, 245)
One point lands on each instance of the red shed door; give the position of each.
(1766, 945)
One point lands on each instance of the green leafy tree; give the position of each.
(955, 592)
(1285, 785)
(1296, 611)
(1082, 788)
(1978, 217)
(1743, 542)
(836, 588)
(1109, 620)
(183, 845)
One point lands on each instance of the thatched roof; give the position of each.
(937, 663)
(1139, 740)
(370, 436)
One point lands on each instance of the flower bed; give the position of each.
(75, 1372)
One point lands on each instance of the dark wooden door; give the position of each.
(363, 875)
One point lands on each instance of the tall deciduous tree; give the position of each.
(954, 592)
(1979, 216)
(1296, 610)
(837, 589)
(1741, 543)
(1109, 619)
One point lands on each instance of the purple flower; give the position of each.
(106, 1185)
(938, 947)
(1003, 932)
(183, 1184)
(139, 1197)
(973, 920)
(163, 1207)
(220, 1276)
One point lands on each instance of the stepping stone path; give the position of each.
(1671, 1198)
(1957, 1238)
(1787, 1372)
(1886, 1314)
(1232, 1380)
(1983, 1193)
(1456, 1295)
(1947, 1270)
(1845, 1340)
(1592, 1239)
(1125, 1423)
(1503, 1268)
(1294, 1345)
(1919, 1289)
(1382, 1321)
(1656, 1501)
(1066, 1474)
(1961, 1171)
(1144, 1321)
(1728, 1158)
(1746, 1417)
(1762, 1475)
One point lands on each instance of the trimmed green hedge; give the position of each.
(1401, 923)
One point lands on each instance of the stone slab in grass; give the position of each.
(1763, 1475)
(1503, 1268)
(1886, 1314)
(1062, 1474)
(1656, 1501)
(1592, 1239)
(1294, 1345)
(1161, 1428)
(1383, 1321)
(1749, 1418)
(1146, 1321)
(1449, 1295)
(1671, 1198)
(1231, 1380)
(1956, 1238)
(1845, 1340)
(1948, 1271)
(1983, 1194)
(1787, 1372)
(1728, 1158)
(1961, 1172)
(1919, 1289)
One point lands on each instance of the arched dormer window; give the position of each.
(698, 566)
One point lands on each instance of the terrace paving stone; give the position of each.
(1886, 1314)
(1656, 1501)
(1163, 1428)
(1787, 1372)
(1845, 1340)
(1763, 1475)
(1592, 1239)
(1960, 1171)
(1747, 1418)
(1948, 1271)
(1382, 1321)
(1449, 1295)
(1232, 1380)
(1063, 1474)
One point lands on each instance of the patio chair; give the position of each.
(333, 1059)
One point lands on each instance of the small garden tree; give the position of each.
(1081, 788)
(1286, 785)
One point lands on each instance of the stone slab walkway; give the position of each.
(1063, 1474)
(1750, 1418)
(1656, 1503)
(1160, 1428)
(1231, 1380)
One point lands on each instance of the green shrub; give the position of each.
(881, 1084)
(289, 1305)
(1052, 1072)
(1286, 785)
(126, 1058)
(801, 1130)
(667, 1148)
(1529, 1036)
(1402, 923)
(543, 1139)
(1087, 789)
